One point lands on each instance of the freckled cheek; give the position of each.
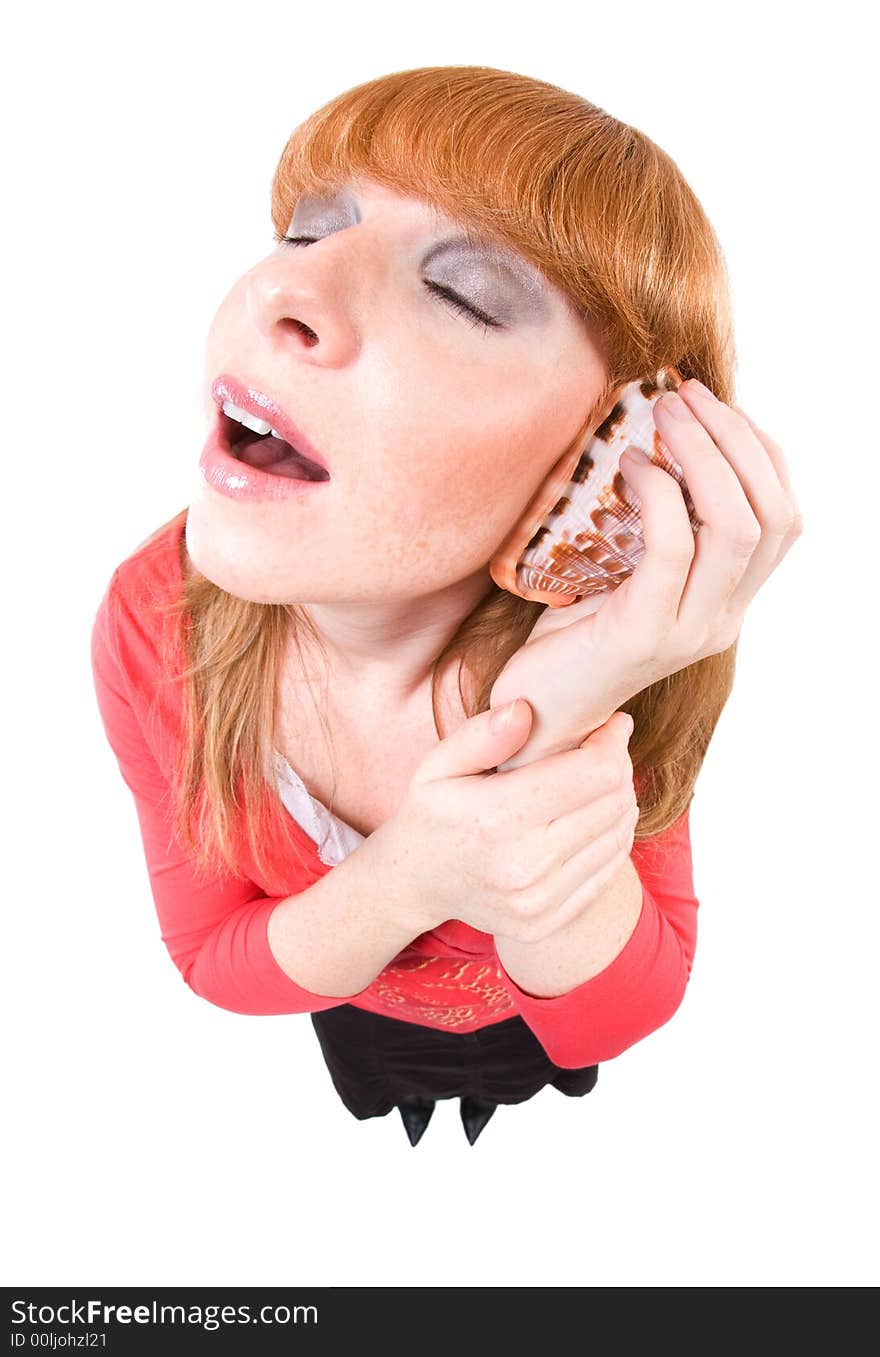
(449, 492)
(434, 508)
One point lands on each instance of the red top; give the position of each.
(449, 978)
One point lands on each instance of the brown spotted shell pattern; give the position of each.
(581, 534)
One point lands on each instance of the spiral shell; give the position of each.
(582, 532)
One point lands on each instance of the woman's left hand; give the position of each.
(687, 595)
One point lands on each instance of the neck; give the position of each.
(383, 651)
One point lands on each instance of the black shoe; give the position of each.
(416, 1112)
(475, 1112)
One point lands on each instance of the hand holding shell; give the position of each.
(686, 597)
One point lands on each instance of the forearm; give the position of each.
(583, 948)
(336, 936)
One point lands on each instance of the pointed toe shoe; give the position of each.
(415, 1113)
(475, 1112)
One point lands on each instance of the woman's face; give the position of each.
(436, 430)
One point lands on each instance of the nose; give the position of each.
(304, 308)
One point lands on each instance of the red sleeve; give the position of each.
(645, 983)
(215, 928)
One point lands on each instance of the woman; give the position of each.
(303, 670)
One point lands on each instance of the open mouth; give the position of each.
(267, 453)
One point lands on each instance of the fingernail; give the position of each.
(694, 385)
(501, 719)
(671, 404)
(634, 454)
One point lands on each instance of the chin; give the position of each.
(227, 559)
(213, 553)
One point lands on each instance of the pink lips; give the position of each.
(256, 403)
(237, 480)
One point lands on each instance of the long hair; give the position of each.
(608, 217)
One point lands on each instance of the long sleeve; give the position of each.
(215, 928)
(645, 983)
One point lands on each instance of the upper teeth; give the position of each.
(250, 421)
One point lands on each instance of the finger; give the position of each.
(558, 784)
(575, 883)
(585, 895)
(757, 571)
(733, 437)
(712, 567)
(715, 447)
(565, 837)
(650, 597)
(767, 482)
(775, 454)
(760, 465)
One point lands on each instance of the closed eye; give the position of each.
(459, 304)
(436, 290)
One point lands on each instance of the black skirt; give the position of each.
(374, 1061)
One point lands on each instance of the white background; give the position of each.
(153, 1139)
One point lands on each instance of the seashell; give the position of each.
(581, 533)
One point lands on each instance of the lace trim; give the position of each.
(334, 837)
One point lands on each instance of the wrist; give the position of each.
(405, 906)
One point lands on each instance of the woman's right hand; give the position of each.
(519, 853)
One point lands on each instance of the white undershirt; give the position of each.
(335, 838)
